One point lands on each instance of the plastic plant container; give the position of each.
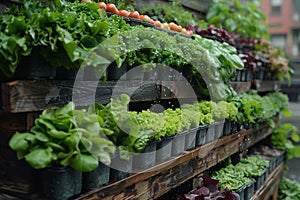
(227, 128)
(219, 129)
(249, 190)
(210, 134)
(201, 134)
(95, 178)
(190, 139)
(178, 143)
(146, 158)
(120, 168)
(241, 192)
(164, 149)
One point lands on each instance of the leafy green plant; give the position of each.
(64, 137)
(243, 18)
(258, 109)
(233, 177)
(285, 137)
(65, 35)
(289, 189)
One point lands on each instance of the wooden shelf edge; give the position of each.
(270, 185)
(168, 175)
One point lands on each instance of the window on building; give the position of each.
(279, 41)
(276, 7)
(296, 43)
(296, 8)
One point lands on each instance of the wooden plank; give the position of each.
(265, 86)
(12, 122)
(240, 87)
(30, 96)
(16, 175)
(165, 176)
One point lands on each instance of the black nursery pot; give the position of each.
(164, 149)
(114, 73)
(178, 143)
(95, 178)
(61, 182)
(146, 158)
(227, 128)
(201, 134)
(34, 66)
(120, 168)
(190, 139)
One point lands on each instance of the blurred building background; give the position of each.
(283, 18)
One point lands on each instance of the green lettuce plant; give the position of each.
(64, 137)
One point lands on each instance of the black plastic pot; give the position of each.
(61, 182)
(201, 134)
(234, 127)
(34, 66)
(241, 192)
(259, 74)
(178, 143)
(164, 149)
(227, 128)
(190, 139)
(219, 129)
(259, 180)
(210, 134)
(114, 73)
(66, 74)
(120, 168)
(249, 190)
(95, 178)
(146, 158)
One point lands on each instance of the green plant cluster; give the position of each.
(289, 189)
(64, 35)
(285, 137)
(141, 46)
(243, 18)
(258, 109)
(225, 57)
(234, 177)
(131, 130)
(64, 137)
(173, 12)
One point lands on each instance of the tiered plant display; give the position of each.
(96, 138)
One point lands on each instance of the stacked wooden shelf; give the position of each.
(160, 179)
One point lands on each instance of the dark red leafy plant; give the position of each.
(209, 190)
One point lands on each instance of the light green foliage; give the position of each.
(243, 18)
(289, 189)
(285, 137)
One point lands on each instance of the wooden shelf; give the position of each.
(270, 187)
(160, 179)
(265, 86)
(37, 95)
(240, 87)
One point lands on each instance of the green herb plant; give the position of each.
(243, 18)
(285, 137)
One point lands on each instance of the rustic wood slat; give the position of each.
(240, 87)
(265, 86)
(32, 96)
(161, 178)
